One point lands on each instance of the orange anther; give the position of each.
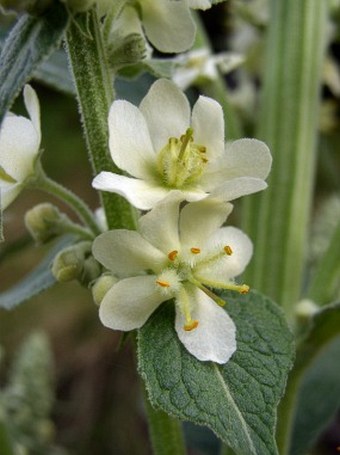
(195, 250)
(191, 326)
(164, 284)
(172, 255)
(228, 250)
(244, 289)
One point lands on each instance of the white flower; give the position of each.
(164, 148)
(200, 65)
(183, 254)
(19, 146)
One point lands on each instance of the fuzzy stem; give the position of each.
(94, 84)
(41, 182)
(165, 432)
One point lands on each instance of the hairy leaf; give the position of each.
(236, 400)
(37, 281)
(313, 390)
(31, 40)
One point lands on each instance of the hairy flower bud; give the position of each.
(44, 222)
(102, 286)
(76, 263)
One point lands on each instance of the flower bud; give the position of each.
(102, 286)
(44, 222)
(76, 263)
(127, 50)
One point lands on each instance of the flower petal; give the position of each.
(167, 112)
(231, 266)
(242, 158)
(198, 220)
(200, 4)
(160, 225)
(8, 194)
(235, 188)
(168, 24)
(127, 253)
(130, 302)
(139, 193)
(33, 108)
(215, 336)
(208, 126)
(19, 145)
(129, 139)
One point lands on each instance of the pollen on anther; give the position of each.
(228, 250)
(163, 284)
(244, 289)
(191, 325)
(172, 255)
(195, 250)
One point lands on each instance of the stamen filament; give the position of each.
(185, 141)
(209, 293)
(190, 324)
(241, 288)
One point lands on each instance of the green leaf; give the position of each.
(30, 41)
(37, 281)
(55, 73)
(313, 390)
(236, 400)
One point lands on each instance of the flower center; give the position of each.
(182, 270)
(181, 162)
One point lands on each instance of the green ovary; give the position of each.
(181, 162)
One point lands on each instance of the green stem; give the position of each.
(278, 219)
(326, 278)
(165, 432)
(94, 84)
(41, 182)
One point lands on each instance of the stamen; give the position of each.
(190, 325)
(185, 139)
(208, 292)
(172, 255)
(195, 250)
(163, 284)
(228, 250)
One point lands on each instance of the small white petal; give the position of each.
(242, 158)
(231, 266)
(160, 225)
(238, 187)
(200, 4)
(129, 139)
(140, 193)
(127, 253)
(33, 108)
(198, 220)
(130, 302)
(208, 126)
(19, 146)
(215, 336)
(8, 194)
(168, 24)
(167, 112)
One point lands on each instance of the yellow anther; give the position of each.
(190, 325)
(163, 284)
(172, 255)
(244, 289)
(195, 250)
(228, 250)
(204, 160)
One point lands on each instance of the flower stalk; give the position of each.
(94, 85)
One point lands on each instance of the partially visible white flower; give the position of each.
(165, 147)
(101, 219)
(186, 252)
(19, 147)
(200, 65)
